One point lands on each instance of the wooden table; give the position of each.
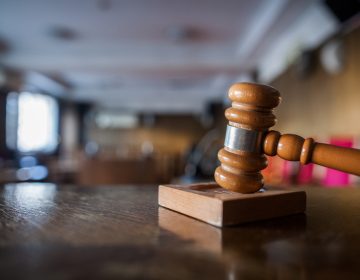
(71, 232)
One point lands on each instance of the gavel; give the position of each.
(248, 140)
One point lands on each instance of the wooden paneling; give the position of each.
(150, 170)
(169, 134)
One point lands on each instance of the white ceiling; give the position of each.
(133, 54)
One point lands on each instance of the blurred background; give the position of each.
(99, 92)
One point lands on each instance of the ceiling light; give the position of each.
(63, 33)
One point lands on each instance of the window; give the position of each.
(32, 122)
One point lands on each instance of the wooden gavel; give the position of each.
(248, 140)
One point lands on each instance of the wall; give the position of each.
(322, 104)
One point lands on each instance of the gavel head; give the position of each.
(250, 116)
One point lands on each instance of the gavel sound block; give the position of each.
(239, 195)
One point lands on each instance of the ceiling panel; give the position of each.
(143, 54)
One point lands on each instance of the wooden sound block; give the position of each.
(219, 207)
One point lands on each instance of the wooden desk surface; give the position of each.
(69, 232)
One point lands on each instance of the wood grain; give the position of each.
(73, 232)
(212, 204)
(295, 148)
(251, 109)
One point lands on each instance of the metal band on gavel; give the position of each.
(245, 140)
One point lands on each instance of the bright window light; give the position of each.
(37, 123)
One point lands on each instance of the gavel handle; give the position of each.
(295, 148)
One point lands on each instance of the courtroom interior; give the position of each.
(102, 101)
